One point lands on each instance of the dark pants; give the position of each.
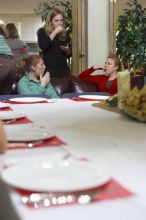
(7, 73)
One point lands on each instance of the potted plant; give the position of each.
(44, 8)
(131, 36)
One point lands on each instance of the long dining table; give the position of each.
(113, 142)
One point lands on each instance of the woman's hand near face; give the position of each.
(56, 31)
(98, 67)
(45, 79)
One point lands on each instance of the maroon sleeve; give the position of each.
(86, 73)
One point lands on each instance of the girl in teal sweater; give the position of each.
(34, 79)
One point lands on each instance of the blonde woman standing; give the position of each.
(55, 45)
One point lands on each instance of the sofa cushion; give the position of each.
(78, 86)
(67, 85)
(138, 81)
(72, 85)
(61, 85)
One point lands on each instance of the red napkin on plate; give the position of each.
(23, 120)
(6, 109)
(111, 190)
(50, 142)
(78, 99)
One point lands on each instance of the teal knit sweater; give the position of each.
(4, 48)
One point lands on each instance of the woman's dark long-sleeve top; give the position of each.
(55, 59)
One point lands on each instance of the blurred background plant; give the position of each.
(43, 8)
(131, 36)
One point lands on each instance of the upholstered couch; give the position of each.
(138, 81)
(67, 85)
(75, 85)
(72, 85)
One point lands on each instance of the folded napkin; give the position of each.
(110, 190)
(50, 142)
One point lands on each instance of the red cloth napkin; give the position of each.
(83, 100)
(80, 99)
(50, 142)
(23, 120)
(6, 109)
(110, 190)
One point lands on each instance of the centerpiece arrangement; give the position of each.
(133, 104)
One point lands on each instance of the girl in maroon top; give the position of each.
(106, 82)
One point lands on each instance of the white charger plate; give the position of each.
(64, 176)
(28, 100)
(10, 115)
(26, 133)
(94, 97)
(4, 105)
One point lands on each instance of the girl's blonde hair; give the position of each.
(25, 64)
(48, 25)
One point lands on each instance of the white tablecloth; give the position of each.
(111, 141)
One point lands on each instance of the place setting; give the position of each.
(65, 181)
(28, 100)
(97, 98)
(26, 136)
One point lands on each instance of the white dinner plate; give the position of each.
(65, 176)
(4, 105)
(26, 133)
(10, 115)
(94, 97)
(28, 100)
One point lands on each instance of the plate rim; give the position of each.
(31, 139)
(95, 97)
(20, 115)
(15, 183)
(29, 127)
(25, 99)
(4, 105)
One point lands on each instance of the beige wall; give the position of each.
(27, 25)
